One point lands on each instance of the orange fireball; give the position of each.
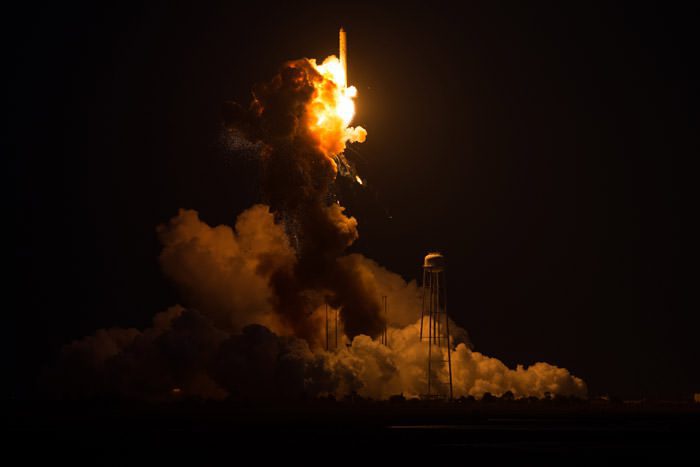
(332, 107)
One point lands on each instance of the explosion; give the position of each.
(300, 121)
(332, 108)
(255, 294)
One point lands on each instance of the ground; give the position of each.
(576, 431)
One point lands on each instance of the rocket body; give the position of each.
(343, 57)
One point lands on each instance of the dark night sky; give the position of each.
(538, 147)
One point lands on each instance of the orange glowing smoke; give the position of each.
(332, 108)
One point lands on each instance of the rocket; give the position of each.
(343, 57)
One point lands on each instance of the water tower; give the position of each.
(434, 324)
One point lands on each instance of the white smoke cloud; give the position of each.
(401, 368)
(233, 341)
(225, 272)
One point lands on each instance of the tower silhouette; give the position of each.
(434, 319)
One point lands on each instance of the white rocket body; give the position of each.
(343, 57)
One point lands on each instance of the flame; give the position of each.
(332, 108)
(359, 180)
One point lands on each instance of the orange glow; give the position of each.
(332, 108)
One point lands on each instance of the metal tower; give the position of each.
(434, 315)
(385, 336)
(336, 329)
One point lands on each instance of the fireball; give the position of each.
(332, 108)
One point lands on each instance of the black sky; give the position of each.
(538, 146)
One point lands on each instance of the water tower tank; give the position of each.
(434, 262)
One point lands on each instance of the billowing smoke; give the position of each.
(256, 294)
(295, 121)
(233, 342)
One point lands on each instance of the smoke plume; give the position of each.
(256, 293)
(233, 342)
(292, 119)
